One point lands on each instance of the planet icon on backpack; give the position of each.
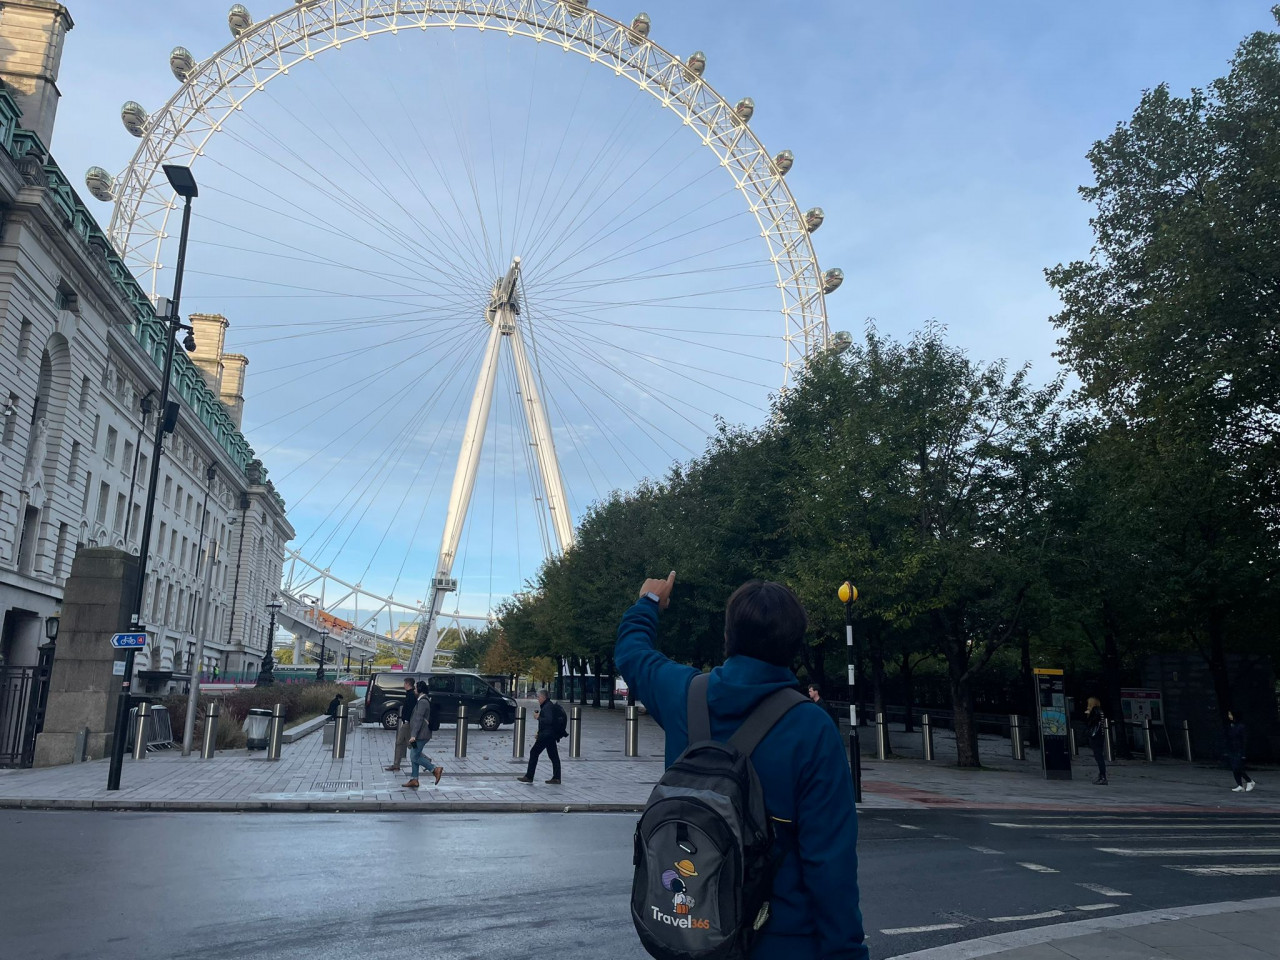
(686, 868)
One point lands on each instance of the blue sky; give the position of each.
(945, 143)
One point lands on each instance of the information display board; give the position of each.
(1051, 704)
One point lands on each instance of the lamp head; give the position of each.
(847, 592)
(51, 624)
(182, 180)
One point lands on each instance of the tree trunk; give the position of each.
(582, 668)
(877, 688)
(908, 693)
(613, 683)
(560, 678)
(1031, 708)
(595, 666)
(962, 704)
(1111, 683)
(1218, 662)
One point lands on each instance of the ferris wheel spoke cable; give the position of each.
(340, 397)
(340, 196)
(380, 468)
(537, 483)
(357, 163)
(413, 319)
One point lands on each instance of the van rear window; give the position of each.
(384, 680)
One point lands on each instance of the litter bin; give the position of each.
(257, 726)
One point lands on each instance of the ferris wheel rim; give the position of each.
(572, 26)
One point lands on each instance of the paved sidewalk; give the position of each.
(1244, 930)
(307, 778)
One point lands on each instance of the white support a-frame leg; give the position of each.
(502, 314)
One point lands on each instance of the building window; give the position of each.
(118, 523)
(168, 489)
(10, 418)
(60, 558)
(173, 545)
(104, 492)
(84, 394)
(127, 460)
(74, 468)
(185, 544)
(135, 524)
(65, 298)
(27, 541)
(190, 507)
(112, 439)
(84, 499)
(24, 339)
(142, 465)
(177, 502)
(97, 425)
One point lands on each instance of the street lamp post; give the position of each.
(144, 404)
(265, 675)
(324, 640)
(184, 185)
(848, 593)
(347, 646)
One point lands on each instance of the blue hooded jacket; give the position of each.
(804, 775)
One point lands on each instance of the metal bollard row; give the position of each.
(1186, 741)
(460, 734)
(140, 731)
(275, 736)
(210, 741)
(340, 733)
(517, 748)
(1149, 748)
(1106, 739)
(575, 732)
(633, 731)
(1015, 737)
(882, 737)
(926, 734)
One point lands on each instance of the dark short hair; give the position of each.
(817, 689)
(422, 686)
(409, 681)
(766, 621)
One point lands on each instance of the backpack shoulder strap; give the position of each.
(699, 714)
(762, 719)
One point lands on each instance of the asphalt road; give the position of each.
(103, 886)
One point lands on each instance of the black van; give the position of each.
(485, 705)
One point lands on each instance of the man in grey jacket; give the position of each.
(419, 734)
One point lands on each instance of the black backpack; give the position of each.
(433, 716)
(562, 722)
(704, 861)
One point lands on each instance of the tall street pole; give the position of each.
(193, 693)
(848, 593)
(185, 185)
(266, 669)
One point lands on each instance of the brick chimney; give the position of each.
(211, 338)
(232, 393)
(31, 35)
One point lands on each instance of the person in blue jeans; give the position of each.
(419, 734)
(808, 788)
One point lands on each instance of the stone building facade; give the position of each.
(80, 355)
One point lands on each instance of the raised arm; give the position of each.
(654, 679)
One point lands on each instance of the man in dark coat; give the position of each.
(1236, 737)
(402, 731)
(550, 729)
(801, 762)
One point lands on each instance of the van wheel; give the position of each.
(490, 720)
(391, 719)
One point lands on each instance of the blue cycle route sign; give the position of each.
(128, 641)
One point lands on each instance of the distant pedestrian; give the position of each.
(402, 731)
(1096, 724)
(815, 694)
(215, 673)
(552, 723)
(419, 735)
(1236, 735)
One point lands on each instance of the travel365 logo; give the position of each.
(681, 901)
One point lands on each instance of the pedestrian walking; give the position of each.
(402, 729)
(419, 736)
(1096, 724)
(553, 725)
(815, 694)
(1236, 735)
(804, 902)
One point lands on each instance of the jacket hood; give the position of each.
(742, 682)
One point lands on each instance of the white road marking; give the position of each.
(1037, 867)
(1029, 916)
(1088, 907)
(1124, 826)
(930, 928)
(906, 826)
(987, 850)
(1103, 891)
(1227, 870)
(1194, 852)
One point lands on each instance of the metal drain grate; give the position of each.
(331, 786)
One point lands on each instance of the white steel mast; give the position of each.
(501, 314)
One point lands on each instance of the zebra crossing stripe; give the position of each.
(1037, 867)
(1193, 851)
(1226, 870)
(1090, 907)
(929, 928)
(1029, 916)
(1101, 890)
